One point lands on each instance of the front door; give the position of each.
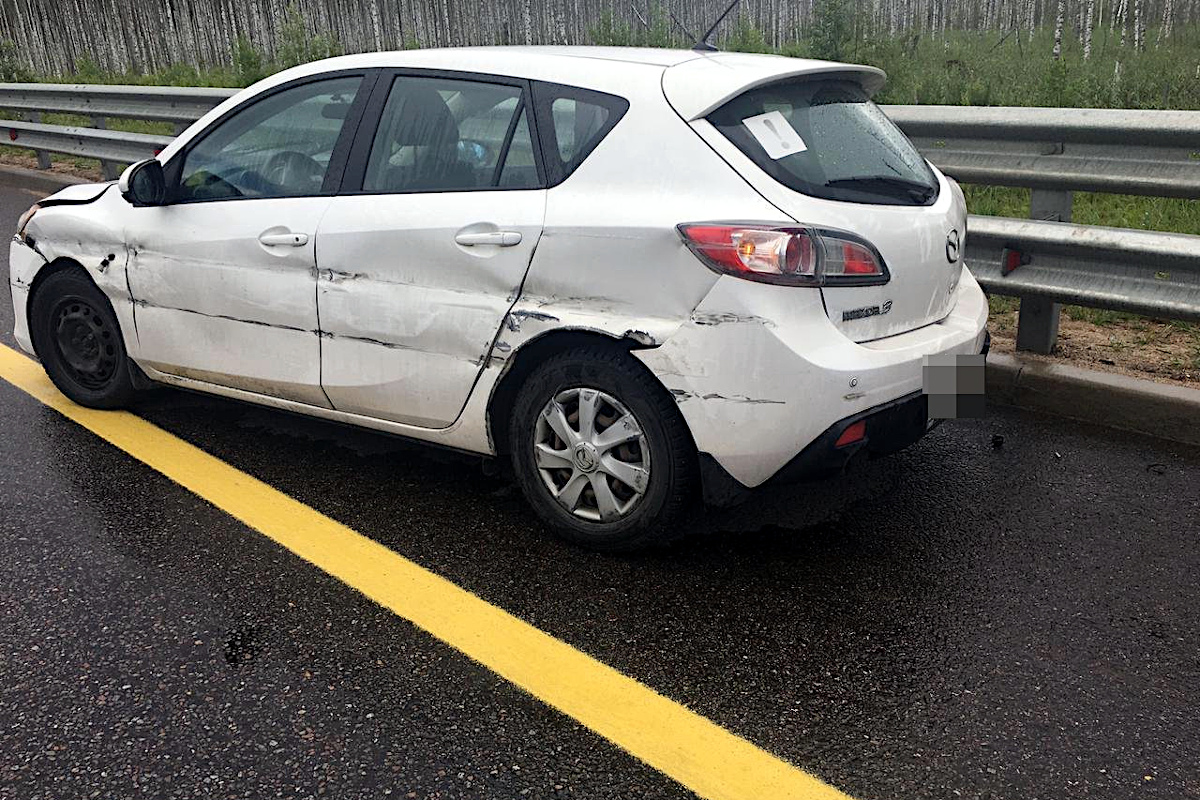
(224, 276)
(423, 253)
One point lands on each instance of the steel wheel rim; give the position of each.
(86, 344)
(591, 453)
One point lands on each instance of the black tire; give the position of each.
(655, 515)
(76, 335)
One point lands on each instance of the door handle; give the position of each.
(284, 239)
(498, 238)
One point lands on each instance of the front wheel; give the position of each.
(76, 336)
(601, 451)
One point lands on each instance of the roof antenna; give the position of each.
(702, 44)
(681, 26)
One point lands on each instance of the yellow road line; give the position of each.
(696, 752)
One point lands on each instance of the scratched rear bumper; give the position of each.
(760, 372)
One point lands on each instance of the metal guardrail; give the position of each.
(180, 105)
(1053, 152)
(1154, 153)
(116, 146)
(1143, 272)
(157, 103)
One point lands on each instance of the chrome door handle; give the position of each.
(498, 238)
(284, 239)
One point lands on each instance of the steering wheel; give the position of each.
(293, 170)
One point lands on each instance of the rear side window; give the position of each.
(439, 135)
(827, 139)
(571, 123)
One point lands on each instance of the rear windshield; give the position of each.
(827, 139)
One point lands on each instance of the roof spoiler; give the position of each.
(698, 87)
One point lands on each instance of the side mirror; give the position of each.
(143, 184)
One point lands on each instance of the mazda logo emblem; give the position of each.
(953, 243)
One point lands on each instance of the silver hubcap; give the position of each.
(592, 454)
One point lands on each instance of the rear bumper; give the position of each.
(890, 428)
(763, 379)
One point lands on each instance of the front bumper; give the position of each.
(761, 374)
(23, 264)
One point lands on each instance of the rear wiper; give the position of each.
(916, 189)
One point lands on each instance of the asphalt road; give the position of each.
(960, 620)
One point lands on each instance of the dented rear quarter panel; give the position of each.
(610, 259)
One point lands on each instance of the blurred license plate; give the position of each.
(953, 385)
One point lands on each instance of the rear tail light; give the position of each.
(787, 255)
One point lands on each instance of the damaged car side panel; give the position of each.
(81, 225)
(610, 260)
(409, 306)
(216, 304)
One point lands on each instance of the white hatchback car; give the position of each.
(637, 274)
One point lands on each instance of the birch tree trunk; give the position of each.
(1087, 30)
(1139, 27)
(1168, 20)
(1058, 29)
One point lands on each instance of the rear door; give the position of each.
(424, 252)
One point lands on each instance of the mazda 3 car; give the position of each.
(641, 278)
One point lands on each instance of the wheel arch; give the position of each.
(57, 265)
(67, 264)
(526, 357)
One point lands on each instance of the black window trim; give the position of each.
(356, 165)
(513, 124)
(337, 160)
(544, 95)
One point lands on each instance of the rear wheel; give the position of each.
(601, 452)
(76, 335)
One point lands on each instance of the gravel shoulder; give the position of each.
(1164, 351)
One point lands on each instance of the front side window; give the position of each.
(280, 146)
(442, 134)
(825, 138)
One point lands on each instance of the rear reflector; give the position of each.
(1010, 259)
(853, 434)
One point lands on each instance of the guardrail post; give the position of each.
(43, 158)
(1037, 321)
(109, 169)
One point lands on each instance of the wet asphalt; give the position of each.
(1007, 610)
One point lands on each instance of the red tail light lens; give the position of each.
(849, 259)
(788, 255)
(753, 251)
